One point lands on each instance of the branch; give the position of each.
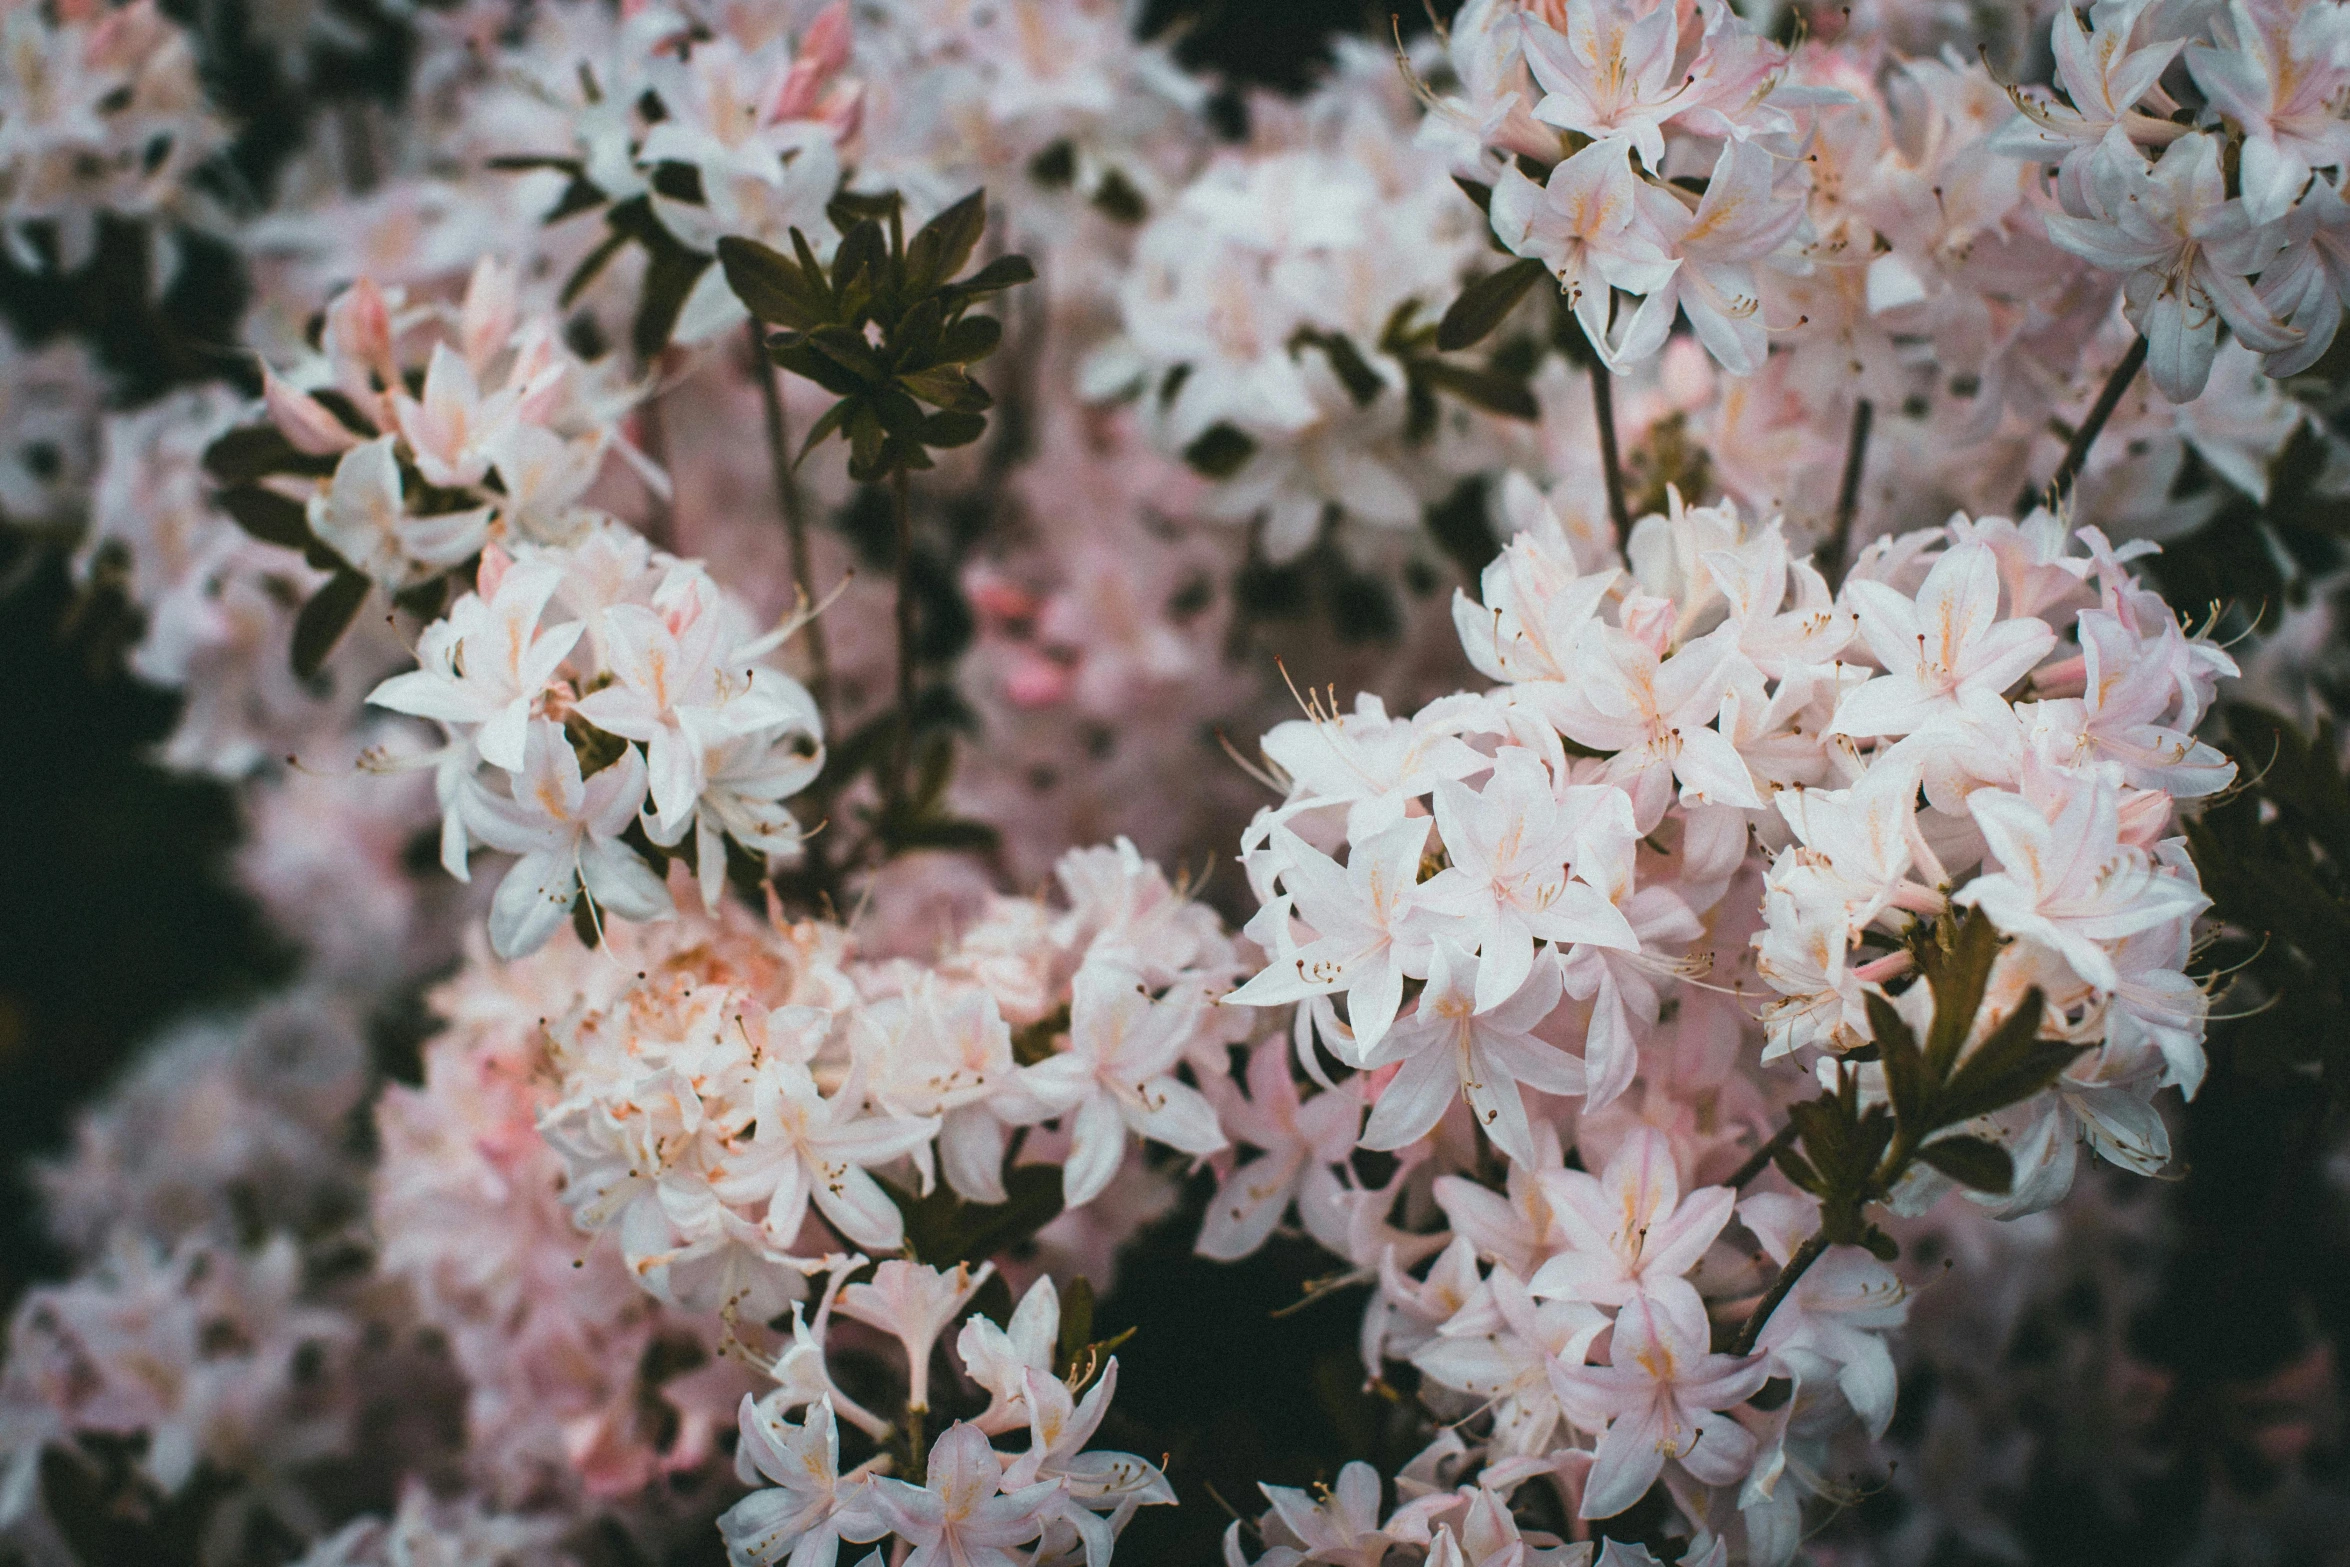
(1781, 1287)
(902, 745)
(1856, 456)
(1603, 409)
(795, 522)
(1760, 1159)
(2076, 454)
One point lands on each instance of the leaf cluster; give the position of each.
(885, 329)
(239, 463)
(2274, 856)
(1851, 1155)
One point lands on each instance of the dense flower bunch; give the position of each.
(1778, 831)
(1553, 860)
(101, 117)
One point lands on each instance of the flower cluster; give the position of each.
(1547, 863)
(724, 1113)
(1784, 819)
(101, 117)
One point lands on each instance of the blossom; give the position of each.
(1628, 1230)
(808, 1147)
(362, 516)
(1117, 1076)
(1940, 649)
(1447, 1045)
(1657, 1399)
(914, 1304)
(488, 662)
(806, 1509)
(960, 1516)
(2187, 250)
(567, 831)
(1297, 1142)
(1359, 915)
(1586, 225)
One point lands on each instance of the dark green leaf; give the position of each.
(1484, 303)
(592, 265)
(255, 451)
(772, 286)
(2007, 1068)
(942, 1229)
(1220, 452)
(942, 387)
(267, 515)
(324, 620)
(826, 423)
(1956, 959)
(800, 357)
(1477, 191)
(1002, 273)
(944, 244)
(1972, 1162)
(1076, 1326)
(1490, 390)
(970, 340)
(1905, 1066)
(1363, 384)
(670, 275)
(913, 343)
(950, 428)
(847, 348)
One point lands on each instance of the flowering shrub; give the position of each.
(1832, 522)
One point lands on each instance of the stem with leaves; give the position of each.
(1852, 1156)
(2076, 451)
(795, 521)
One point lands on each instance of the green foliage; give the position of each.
(2274, 855)
(885, 329)
(943, 1228)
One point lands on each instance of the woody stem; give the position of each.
(1856, 457)
(1781, 1287)
(795, 520)
(902, 745)
(2076, 452)
(1603, 409)
(1760, 1159)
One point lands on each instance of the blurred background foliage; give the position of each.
(121, 914)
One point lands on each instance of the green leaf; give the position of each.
(268, 516)
(670, 274)
(772, 286)
(857, 261)
(800, 357)
(943, 386)
(1972, 1162)
(1363, 384)
(1490, 390)
(943, 1229)
(1220, 452)
(1076, 1326)
(913, 343)
(2007, 1068)
(847, 348)
(325, 618)
(1957, 964)
(1484, 303)
(826, 423)
(1002, 273)
(1905, 1066)
(944, 244)
(1477, 191)
(255, 451)
(970, 340)
(950, 428)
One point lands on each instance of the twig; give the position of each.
(1603, 409)
(795, 521)
(902, 746)
(2076, 453)
(1856, 457)
(1760, 1159)
(1781, 1287)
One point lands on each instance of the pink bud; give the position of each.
(1038, 682)
(494, 562)
(303, 420)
